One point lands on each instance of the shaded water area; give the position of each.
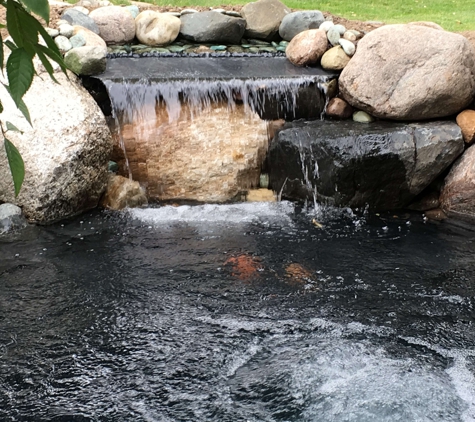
(245, 312)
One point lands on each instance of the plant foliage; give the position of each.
(25, 32)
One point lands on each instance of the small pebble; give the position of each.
(362, 117)
(66, 30)
(52, 32)
(188, 11)
(348, 47)
(326, 25)
(348, 35)
(333, 36)
(63, 43)
(340, 28)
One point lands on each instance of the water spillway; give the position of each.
(196, 128)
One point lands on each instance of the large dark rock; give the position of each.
(297, 22)
(75, 17)
(212, 27)
(381, 164)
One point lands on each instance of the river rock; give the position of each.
(307, 47)
(77, 41)
(350, 36)
(348, 47)
(154, 28)
(339, 109)
(63, 43)
(335, 59)
(11, 218)
(65, 151)
(133, 10)
(333, 36)
(263, 18)
(410, 72)
(66, 30)
(121, 192)
(116, 24)
(296, 22)
(75, 17)
(383, 164)
(212, 27)
(361, 116)
(210, 155)
(466, 121)
(86, 60)
(91, 38)
(326, 25)
(457, 197)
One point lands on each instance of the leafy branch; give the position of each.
(25, 31)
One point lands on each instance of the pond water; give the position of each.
(246, 312)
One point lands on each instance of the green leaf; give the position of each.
(57, 57)
(46, 64)
(17, 166)
(21, 106)
(10, 45)
(15, 28)
(1, 107)
(39, 7)
(1, 54)
(12, 127)
(20, 72)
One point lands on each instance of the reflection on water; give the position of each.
(238, 313)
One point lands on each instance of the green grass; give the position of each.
(452, 15)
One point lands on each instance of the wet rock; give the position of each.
(457, 197)
(122, 192)
(86, 60)
(74, 17)
(335, 59)
(307, 47)
(66, 150)
(212, 27)
(296, 22)
(410, 72)
(466, 121)
(339, 109)
(385, 165)
(91, 38)
(427, 202)
(11, 218)
(436, 214)
(155, 29)
(222, 151)
(263, 18)
(116, 24)
(362, 117)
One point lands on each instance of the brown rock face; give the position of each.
(263, 18)
(339, 109)
(122, 192)
(466, 121)
(210, 155)
(458, 193)
(410, 72)
(307, 47)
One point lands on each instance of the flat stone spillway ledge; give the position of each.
(207, 68)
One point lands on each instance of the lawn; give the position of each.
(452, 15)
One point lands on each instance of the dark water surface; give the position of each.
(245, 312)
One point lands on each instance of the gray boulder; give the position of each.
(263, 18)
(296, 22)
(65, 151)
(381, 164)
(75, 17)
(410, 72)
(11, 218)
(212, 27)
(86, 60)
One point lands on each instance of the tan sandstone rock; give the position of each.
(123, 193)
(410, 72)
(466, 121)
(65, 151)
(116, 24)
(457, 197)
(307, 47)
(212, 155)
(154, 28)
(339, 109)
(335, 59)
(92, 39)
(263, 18)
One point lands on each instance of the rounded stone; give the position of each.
(66, 30)
(63, 43)
(92, 39)
(339, 109)
(348, 47)
(466, 122)
(155, 29)
(326, 25)
(188, 11)
(349, 35)
(362, 117)
(340, 28)
(307, 47)
(116, 24)
(335, 59)
(333, 36)
(296, 22)
(75, 17)
(77, 40)
(81, 9)
(133, 10)
(52, 32)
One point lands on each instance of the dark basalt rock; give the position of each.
(346, 163)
